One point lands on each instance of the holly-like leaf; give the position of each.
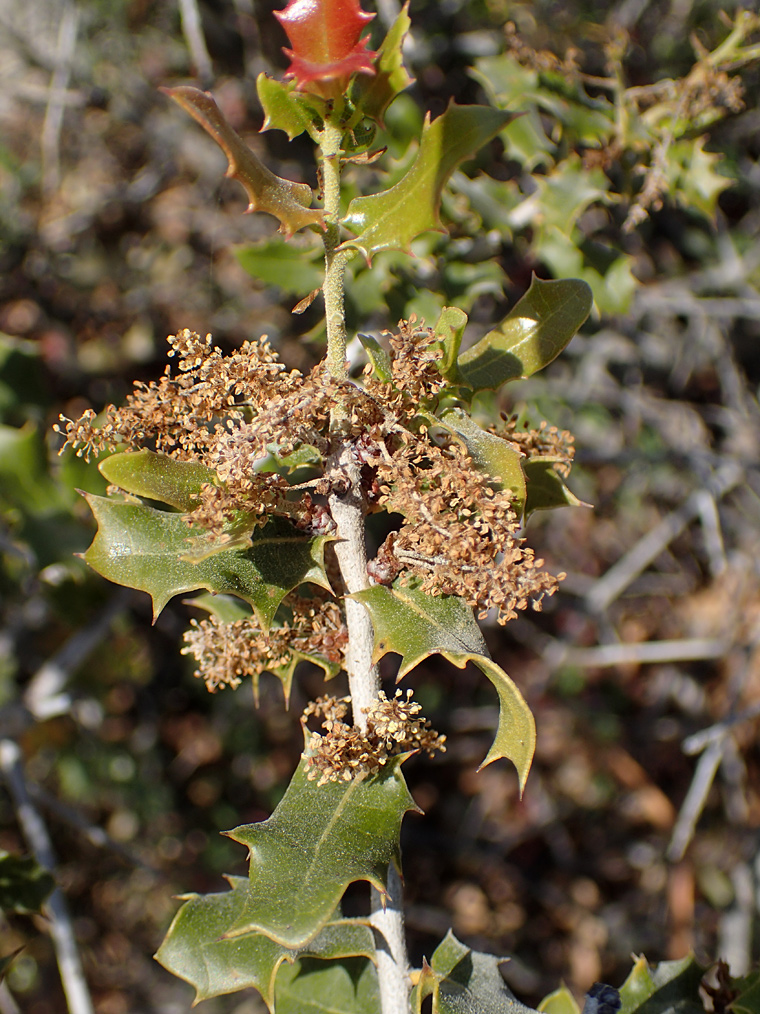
(328, 987)
(284, 107)
(24, 884)
(561, 1001)
(490, 454)
(374, 94)
(197, 950)
(532, 334)
(448, 330)
(159, 477)
(150, 550)
(393, 218)
(546, 489)
(460, 979)
(287, 201)
(671, 987)
(320, 839)
(414, 625)
(276, 262)
(326, 43)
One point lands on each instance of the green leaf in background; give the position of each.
(491, 454)
(196, 949)
(415, 625)
(373, 94)
(692, 175)
(449, 329)
(671, 987)
(561, 1001)
(319, 840)
(148, 549)
(159, 477)
(748, 998)
(284, 107)
(293, 269)
(328, 987)
(460, 979)
(392, 219)
(7, 960)
(532, 334)
(287, 201)
(546, 488)
(24, 884)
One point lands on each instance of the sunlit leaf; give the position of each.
(449, 329)
(534, 333)
(311, 986)
(415, 625)
(148, 549)
(287, 201)
(394, 217)
(671, 987)
(381, 361)
(157, 476)
(546, 489)
(460, 979)
(196, 949)
(374, 94)
(284, 107)
(320, 839)
(490, 454)
(561, 1001)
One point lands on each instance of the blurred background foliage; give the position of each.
(635, 165)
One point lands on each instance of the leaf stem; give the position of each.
(335, 260)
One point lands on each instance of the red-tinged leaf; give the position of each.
(326, 49)
(392, 219)
(287, 201)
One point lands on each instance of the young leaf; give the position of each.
(546, 489)
(310, 986)
(287, 201)
(381, 361)
(157, 476)
(147, 549)
(415, 625)
(393, 218)
(491, 454)
(460, 979)
(284, 107)
(449, 329)
(320, 839)
(532, 334)
(196, 949)
(326, 49)
(374, 94)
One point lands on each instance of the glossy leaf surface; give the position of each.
(374, 94)
(534, 333)
(325, 40)
(148, 549)
(393, 218)
(287, 201)
(157, 476)
(197, 950)
(459, 979)
(320, 839)
(328, 987)
(415, 625)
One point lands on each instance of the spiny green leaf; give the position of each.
(490, 454)
(415, 625)
(393, 218)
(148, 549)
(328, 987)
(284, 107)
(287, 201)
(534, 333)
(561, 1001)
(546, 488)
(374, 94)
(460, 979)
(158, 477)
(320, 839)
(196, 949)
(671, 987)
(24, 884)
(448, 330)
(291, 268)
